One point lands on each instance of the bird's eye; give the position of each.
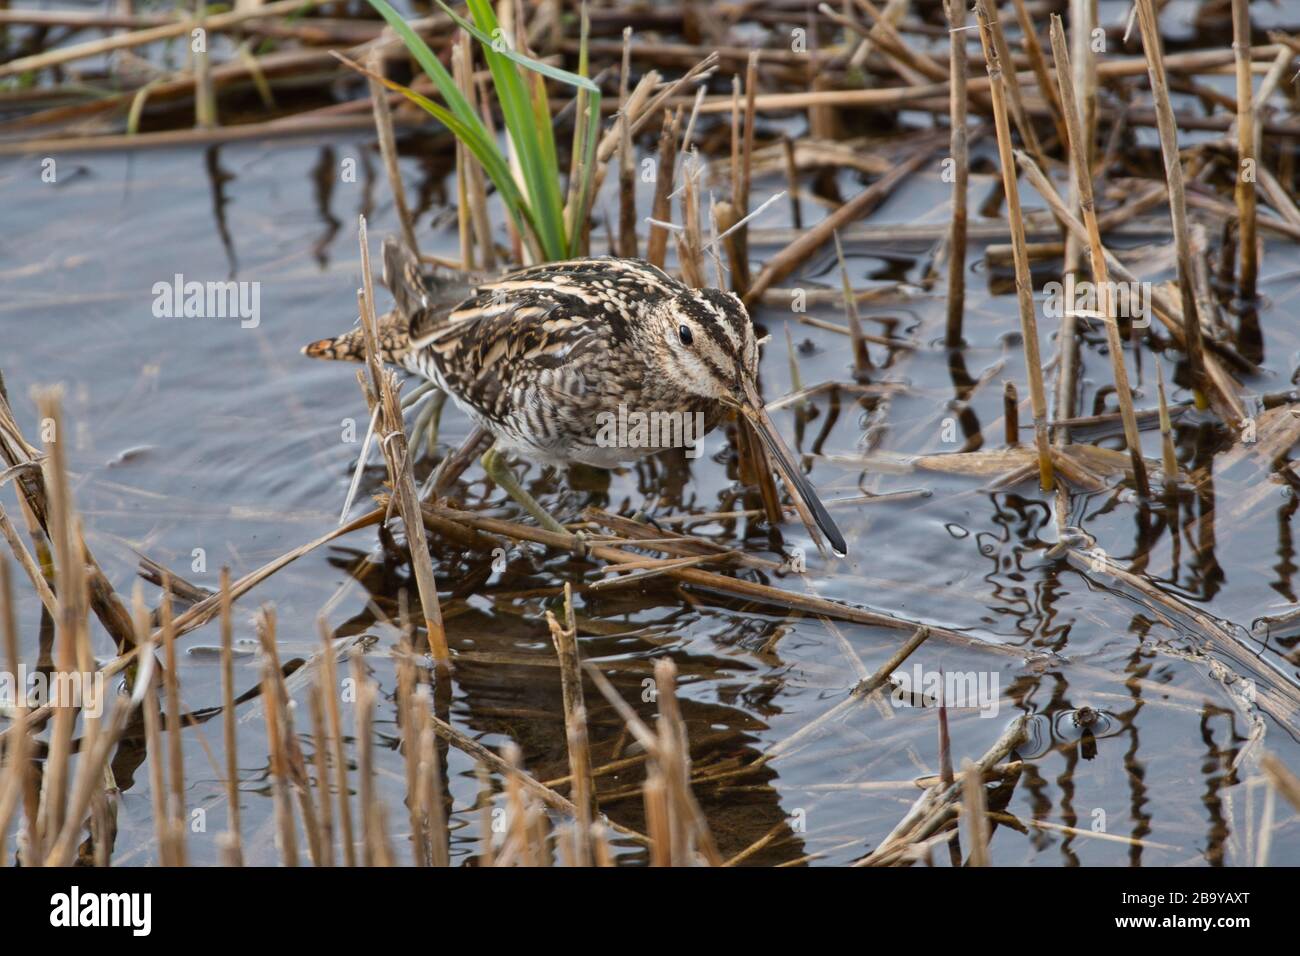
(684, 333)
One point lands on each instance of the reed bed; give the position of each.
(508, 83)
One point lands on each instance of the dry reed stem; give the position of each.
(1038, 62)
(172, 696)
(295, 764)
(320, 750)
(70, 592)
(153, 735)
(198, 614)
(690, 245)
(861, 357)
(430, 793)
(235, 847)
(1228, 403)
(1105, 295)
(777, 597)
(661, 206)
(330, 691)
(1024, 290)
(1276, 694)
(406, 680)
(286, 839)
(1248, 241)
(13, 782)
(1013, 100)
(974, 805)
(1169, 457)
(956, 12)
(934, 808)
(1177, 194)
(1011, 413)
(28, 564)
(399, 466)
(946, 777)
(388, 150)
(582, 787)
(626, 158)
(364, 746)
(1282, 779)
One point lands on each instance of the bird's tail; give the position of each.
(402, 277)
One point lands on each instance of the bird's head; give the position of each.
(707, 348)
(706, 344)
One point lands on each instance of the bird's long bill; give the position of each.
(791, 474)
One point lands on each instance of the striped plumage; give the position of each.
(541, 356)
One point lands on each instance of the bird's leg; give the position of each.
(497, 470)
(424, 430)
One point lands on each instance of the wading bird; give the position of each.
(540, 358)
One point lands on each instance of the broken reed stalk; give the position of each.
(24, 557)
(676, 825)
(956, 11)
(1011, 412)
(429, 792)
(935, 807)
(661, 207)
(1024, 291)
(374, 840)
(974, 806)
(71, 591)
(1246, 159)
(175, 752)
(330, 691)
(1067, 371)
(1177, 195)
(406, 681)
(154, 754)
(320, 749)
(205, 96)
(1105, 294)
(690, 245)
(626, 162)
(740, 240)
(286, 838)
(299, 779)
(393, 442)
(235, 849)
(582, 788)
(13, 781)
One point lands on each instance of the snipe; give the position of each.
(542, 357)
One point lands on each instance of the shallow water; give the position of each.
(200, 442)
